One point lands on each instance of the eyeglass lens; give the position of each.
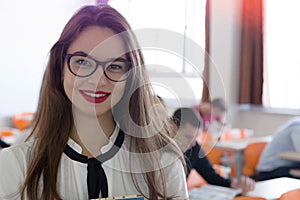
(83, 66)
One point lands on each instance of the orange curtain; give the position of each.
(251, 65)
(205, 90)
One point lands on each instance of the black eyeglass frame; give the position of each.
(101, 63)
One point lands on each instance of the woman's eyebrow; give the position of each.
(82, 53)
(121, 59)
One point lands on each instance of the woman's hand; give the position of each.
(245, 183)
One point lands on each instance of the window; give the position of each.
(185, 18)
(282, 60)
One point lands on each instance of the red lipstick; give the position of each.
(94, 96)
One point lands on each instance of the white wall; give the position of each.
(28, 31)
(225, 50)
(25, 46)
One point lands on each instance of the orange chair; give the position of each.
(214, 156)
(291, 195)
(6, 133)
(252, 154)
(249, 198)
(23, 120)
(205, 138)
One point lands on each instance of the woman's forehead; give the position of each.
(99, 42)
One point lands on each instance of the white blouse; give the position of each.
(72, 175)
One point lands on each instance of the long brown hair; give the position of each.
(53, 123)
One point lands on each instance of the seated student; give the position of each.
(286, 138)
(186, 124)
(211, 111)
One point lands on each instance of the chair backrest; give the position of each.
(214, 156)
(291, 195)
(249, 198)
(252, 154)
(22, 120)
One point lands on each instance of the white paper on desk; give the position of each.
(213, 192)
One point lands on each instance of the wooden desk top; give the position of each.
(274, 188)
(295, 156)
(239, 145)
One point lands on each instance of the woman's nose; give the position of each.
(98, 77)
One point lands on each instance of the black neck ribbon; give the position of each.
(96, 177)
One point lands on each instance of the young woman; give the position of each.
(96, 132)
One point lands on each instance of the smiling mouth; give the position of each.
(94, 97)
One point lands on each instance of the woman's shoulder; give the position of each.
(17, 154)
(24, 146)
(13, 167)
(171, 157)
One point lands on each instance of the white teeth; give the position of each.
(94, 95)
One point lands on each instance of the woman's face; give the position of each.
(94, 94)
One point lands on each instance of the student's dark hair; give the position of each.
(184, 115)
(54, 120)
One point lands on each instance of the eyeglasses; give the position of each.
(83, 65)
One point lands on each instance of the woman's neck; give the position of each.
(92, 132)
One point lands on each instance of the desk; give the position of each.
(274, 188)
(294, 156)
(238, 146)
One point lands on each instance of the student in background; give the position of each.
(285, 139)
(211, 111)
(93, 135)
(187, 124)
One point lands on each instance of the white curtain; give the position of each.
(282, 60)
(184, 17)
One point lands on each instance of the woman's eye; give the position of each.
(83, 62)
(115, 68)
